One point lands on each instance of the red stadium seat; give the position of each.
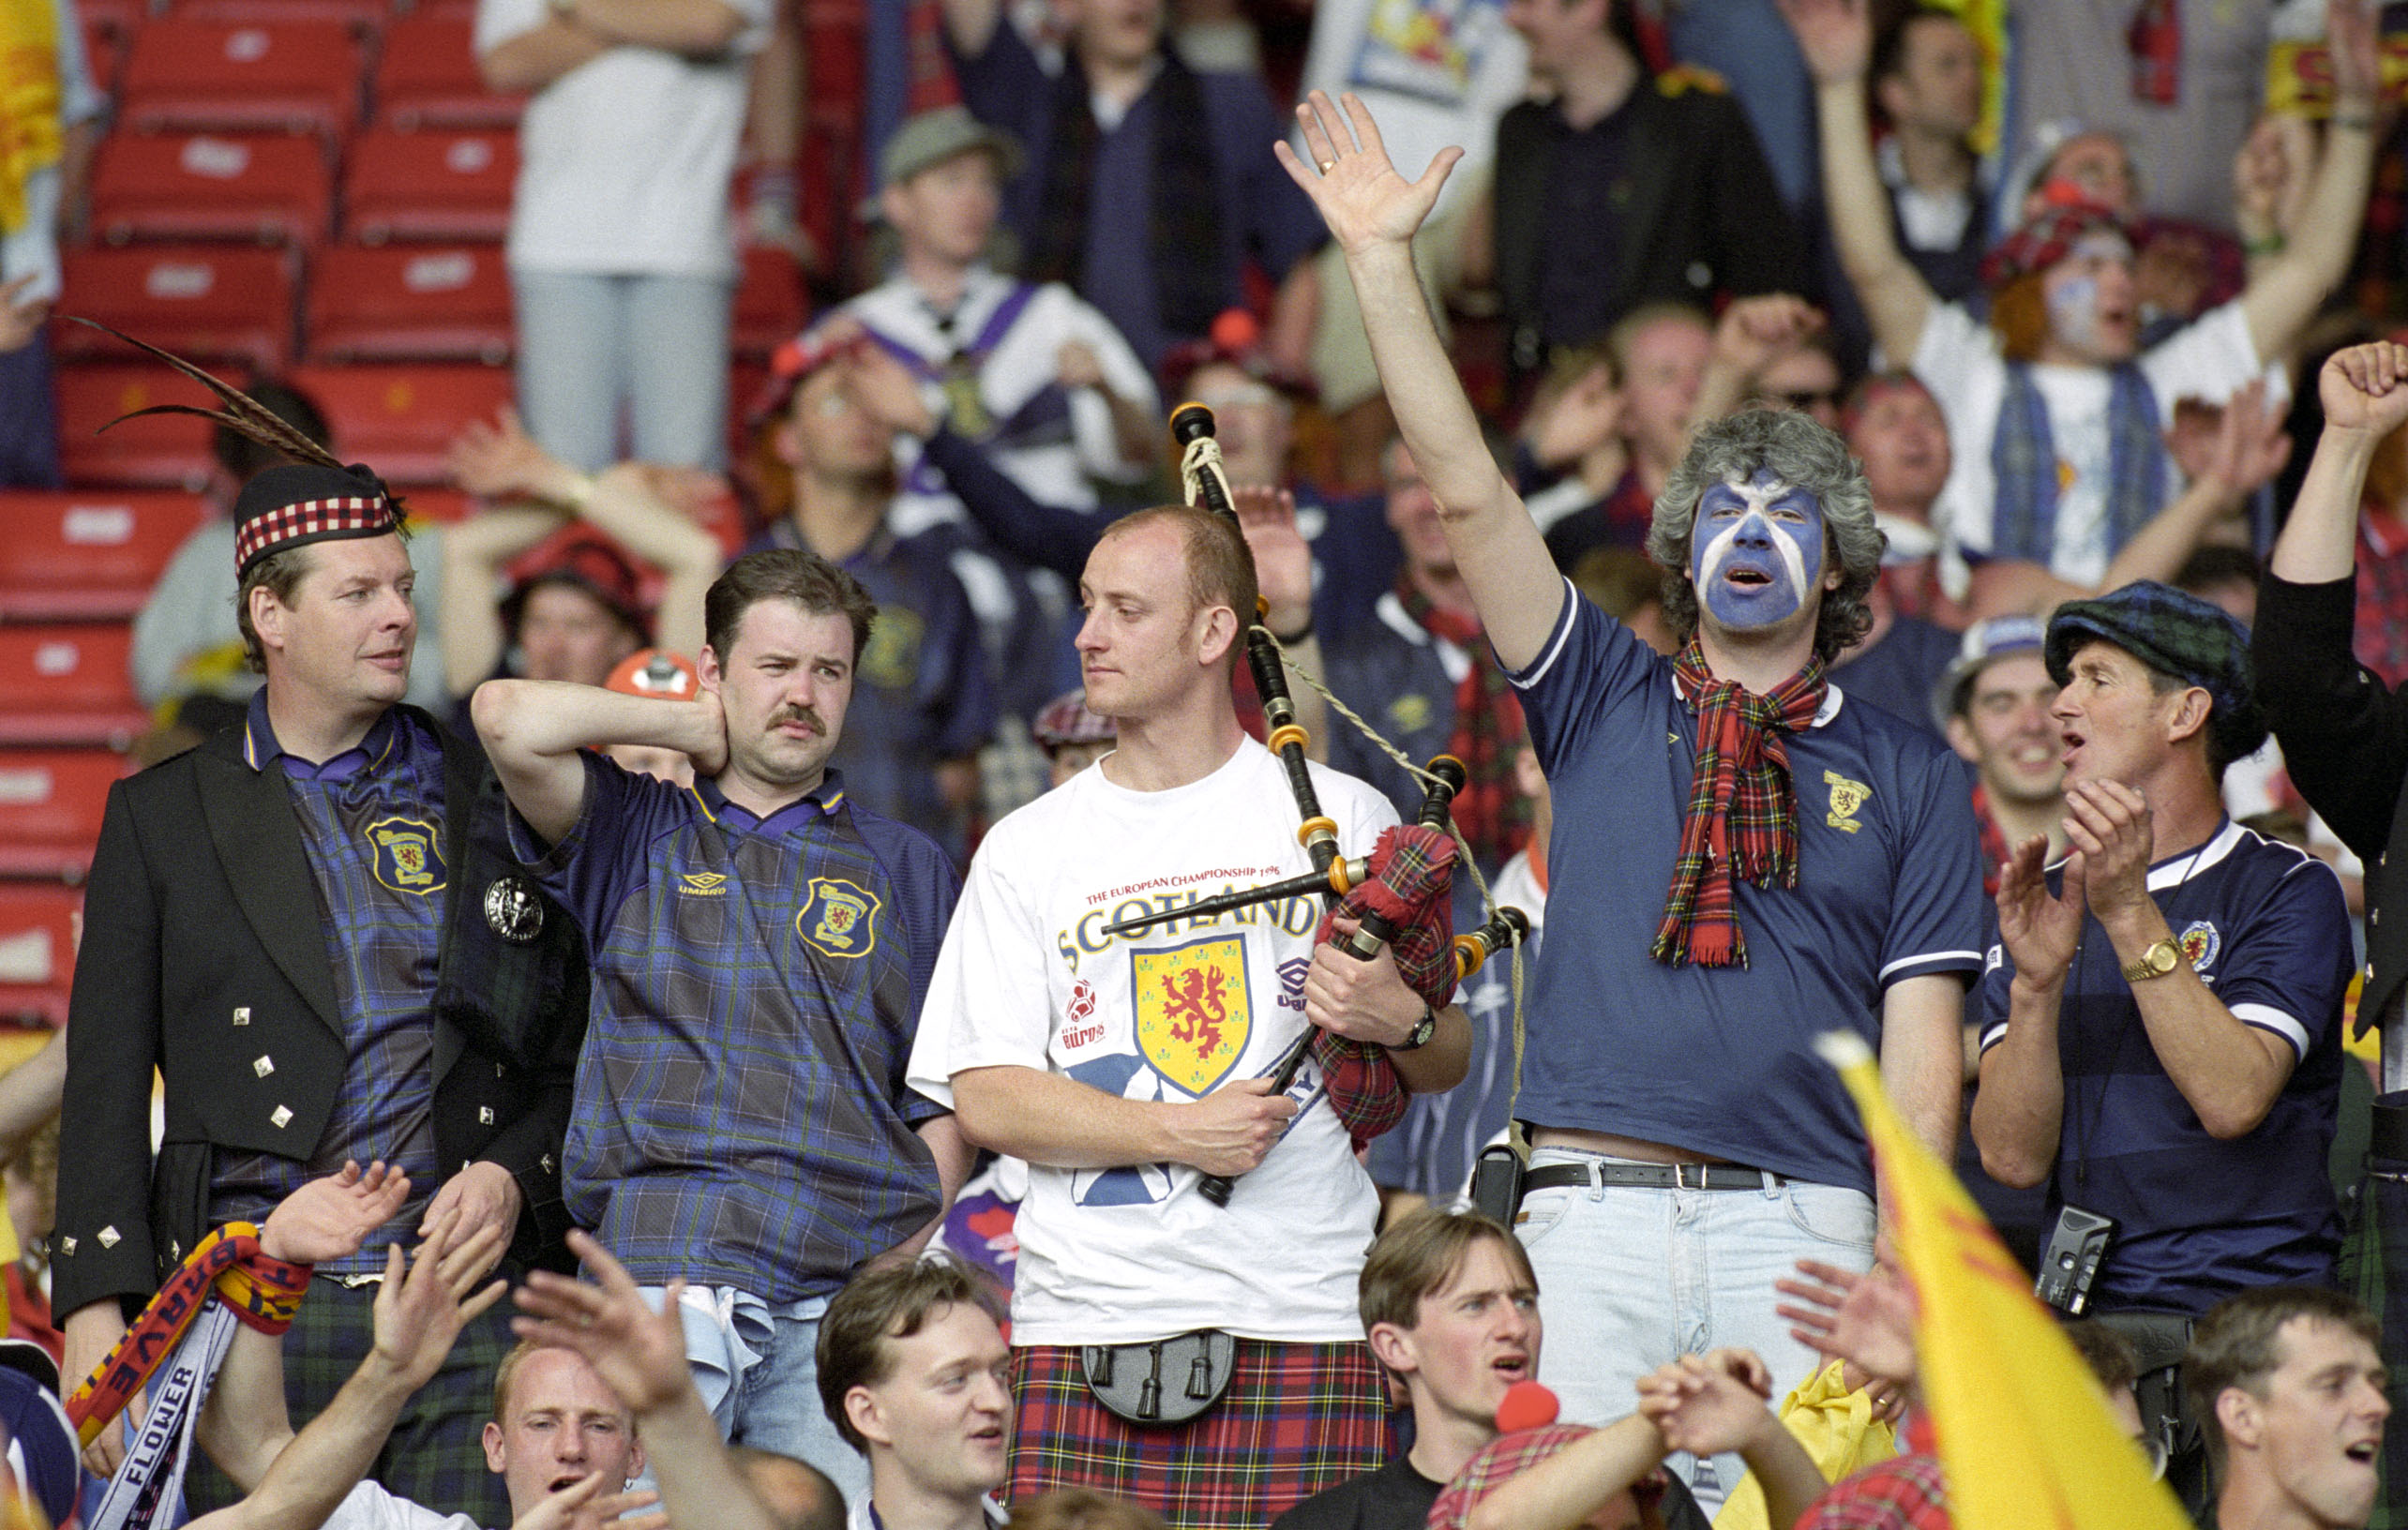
(164, 451)
(38, 933)
(769, 307)
(427, 76)
(50, 805)
(205, 304)
(185, 75)
(361, 18)
(269, 189)
(118, 18)
(75, 553)
(64, 683)
(446, 185)
(411, 303)
(401, 420)
(104, 54)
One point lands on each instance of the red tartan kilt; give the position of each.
(1297, 1418)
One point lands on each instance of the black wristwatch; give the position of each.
(1419, 1037)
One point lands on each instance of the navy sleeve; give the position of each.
(955, 677)
(1282, 226)
(1039, 534)
(601, 861)
(1004, 85)
(1936, 923)
(1589, 666)
(2284, 969)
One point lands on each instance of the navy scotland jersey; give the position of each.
(741, 1117)
(2198, 1219)
(1719, 1060)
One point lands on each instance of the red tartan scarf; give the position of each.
(1742, 814)
(1492, 815)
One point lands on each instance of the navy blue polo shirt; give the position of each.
(371, 824)
(2265, 928)
(741, 1117)
(1719, 1060)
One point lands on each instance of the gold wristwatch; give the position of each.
(2161, 957)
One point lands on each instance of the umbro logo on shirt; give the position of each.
(704, 884)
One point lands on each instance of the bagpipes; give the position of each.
(1398, 893)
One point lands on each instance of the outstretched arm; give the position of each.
(2364, 391)
(1568, 1487)
(1836, 36)
(1373, 212)
(533, 729)
(640, 1355)
(2283, 295)
(1717, 1401)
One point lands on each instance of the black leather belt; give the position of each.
(1651, 1176)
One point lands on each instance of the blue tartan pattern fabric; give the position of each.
(741, 1117)
(372, 825)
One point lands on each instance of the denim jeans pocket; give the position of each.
(1831, 1214)
(1542, 1210)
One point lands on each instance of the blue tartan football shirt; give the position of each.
(741, 1116)
(371, 825)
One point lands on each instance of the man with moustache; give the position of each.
(761, 949)
(1742, 861)
(312, 927)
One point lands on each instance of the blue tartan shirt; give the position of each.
(371, 825)
(741, 1116)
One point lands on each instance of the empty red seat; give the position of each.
(38, 934)
(164, 451)
(206, 304)
(446, 185)
(51, 805)
(411, 303)
(427, 76)
(299, 76)
(769, 307)
(274, 191)
(362, 18)
(400, 420)
(64, 683)
(76, 553)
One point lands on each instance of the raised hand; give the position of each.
(1361, 196)
(2364, 389)
(638, 1353)
(1867, 1322)
(1283, 559)
(328, 1218)
(1756, 331)
(2041, 932)
(485, 1195)
(2251, 444)
(419, 1315)
(887, 392)
(501, 461)
(2109, 824)
(2358, 64)
(1836, 36)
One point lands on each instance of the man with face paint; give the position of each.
(1740, 858)
(2055, 414)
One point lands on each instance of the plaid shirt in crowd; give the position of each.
(740, 1114)
(371, 824)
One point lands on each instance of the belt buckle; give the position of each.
(353, 1282)
(1680, 1176)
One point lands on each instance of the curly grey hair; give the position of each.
(1799, 452)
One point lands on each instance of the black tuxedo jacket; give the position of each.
(204, 956)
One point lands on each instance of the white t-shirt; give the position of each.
(368, 1506)
(1025, 979)
(1024, 361)
(1958, 360)
(625, 162)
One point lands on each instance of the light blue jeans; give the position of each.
(757, 1367)
(1630, 1280)
(658, 345)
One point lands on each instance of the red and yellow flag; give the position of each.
(2023, 1428)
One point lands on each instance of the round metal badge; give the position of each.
(513, 910)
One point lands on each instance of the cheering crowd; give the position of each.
(679, 1001)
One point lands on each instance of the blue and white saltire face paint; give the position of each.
(1756, 550)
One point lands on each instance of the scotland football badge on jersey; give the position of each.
(838, 919)
(1193, 1009)
(2200, 943)
(407, 856)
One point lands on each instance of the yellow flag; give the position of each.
(2023, 1428)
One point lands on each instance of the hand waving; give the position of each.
(1361, 196)
(1836, 36)
(2041, 932)
(329, 1218)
